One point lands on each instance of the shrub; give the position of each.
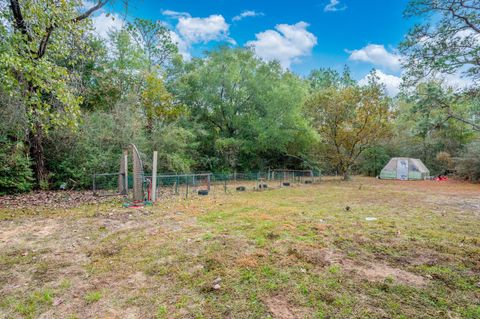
(15, 168)
(468, 165)
(373, 160)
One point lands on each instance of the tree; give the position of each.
(348, 119)
(425, 127)
(157, 102)
(250, 109)
(37, 39)
(155, 40)
(446, 42)
(325, 78)
(468, 165)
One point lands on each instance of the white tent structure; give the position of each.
(404, 168)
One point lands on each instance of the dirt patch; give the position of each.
(317, 257)
(249, 261)
(468, 204)
(371, 271)
(51, 199)
(279, 308)
(380, 272)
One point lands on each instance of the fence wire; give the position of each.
(200, 184)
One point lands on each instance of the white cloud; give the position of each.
(377, 55)
(286, 44)
(191, 30)
(247, 13)
(182, 45)
(333, 5)
(104, 23)
(455, 81)
(203, 30)
(392, 83)
(175, 14)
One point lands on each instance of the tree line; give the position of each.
(70, 101)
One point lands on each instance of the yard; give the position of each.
(360, 249)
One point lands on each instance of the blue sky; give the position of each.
(303, 34)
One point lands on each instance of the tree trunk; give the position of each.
(38, 156)
(346, 174)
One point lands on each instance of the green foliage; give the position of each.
(37, 72)
(101, 138)
(468, 165)
(424, 126)
(243, 104)
(157, 102)
(81, 99)
(155, 40)
(97, 147)
(15, 171)
(446, 39)
(93, 296)
(176, 144)
(349, 119)
(373, 160)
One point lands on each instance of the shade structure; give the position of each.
(405, 168)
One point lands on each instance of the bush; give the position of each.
(468, 165)
(96, 148)
(373, 160)
(15, 168)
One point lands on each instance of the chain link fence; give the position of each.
(201, 184)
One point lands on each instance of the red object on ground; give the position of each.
(441, 178)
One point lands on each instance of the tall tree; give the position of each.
(157, 102)
(424, 127)
(155, 40)
(37, 41)
(250, 109)
(447, 41)
(348, 119)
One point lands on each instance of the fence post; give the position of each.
(186, 193)
(125, 158)
(225, 185)
(94, 186)
(208, 181)
(154, 177)
(176, 185)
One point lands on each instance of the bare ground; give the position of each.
(288, 253)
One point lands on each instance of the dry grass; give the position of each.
(287, 253)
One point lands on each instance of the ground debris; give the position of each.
(51, 199)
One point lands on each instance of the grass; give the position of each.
(93, 296)
(286, 253)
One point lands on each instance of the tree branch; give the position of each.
(464, 19)
(89, 12)
(43, 43)
(19, 21)
(455, 117)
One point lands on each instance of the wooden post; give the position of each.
(208, 181)
(177, 185)
(125, 158)
(154, 177)
(94, 186)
